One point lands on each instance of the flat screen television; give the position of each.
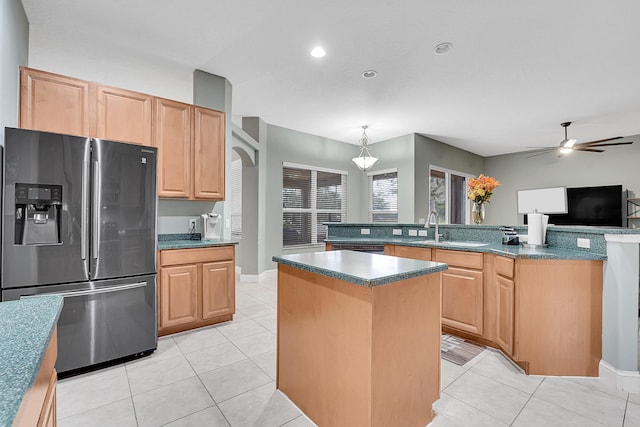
(595, 206)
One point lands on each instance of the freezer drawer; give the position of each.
(101, 321)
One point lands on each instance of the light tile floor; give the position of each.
(224, 376)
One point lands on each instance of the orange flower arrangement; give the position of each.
(481, 188)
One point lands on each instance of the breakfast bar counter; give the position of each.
(359, 337)
(28, 351)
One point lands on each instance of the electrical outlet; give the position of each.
(584, 243)
(365, 231)
(397, 232)
(423, 233)
(192, 223)
(413, 232)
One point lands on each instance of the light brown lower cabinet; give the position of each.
(462, 290)
(38, 407)
(505, 314)
(196, 288)
(545, 314)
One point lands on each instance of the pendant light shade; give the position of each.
(364, 160)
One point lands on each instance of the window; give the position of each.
(310, 197)
(236, 197)
(448, 195)
(383, 196)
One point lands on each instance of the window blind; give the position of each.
(383, 196)
(310, 197)
(236, 199)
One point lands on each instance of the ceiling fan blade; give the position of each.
(538, 149)
(602, 140)
(536, 153)
(604, 145)
(593, 150)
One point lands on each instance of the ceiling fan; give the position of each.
(568, 145)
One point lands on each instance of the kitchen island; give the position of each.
(359, 337)
(28, 351)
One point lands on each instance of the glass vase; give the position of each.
(478, 213)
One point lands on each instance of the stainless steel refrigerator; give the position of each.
(79, 220)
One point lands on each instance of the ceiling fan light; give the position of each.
(566, 150)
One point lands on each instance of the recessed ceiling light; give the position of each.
(318, 52)
(369, 74)
(443, 48)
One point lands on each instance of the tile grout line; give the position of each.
(527, 402)
(133, 404)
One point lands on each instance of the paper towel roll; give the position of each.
(534, 221)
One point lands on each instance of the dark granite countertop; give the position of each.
(360, 268)
(25, 330)
(184, 241)
(516, 251)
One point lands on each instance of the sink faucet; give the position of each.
(433, 214)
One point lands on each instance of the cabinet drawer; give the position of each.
(412, 252)
(504, 266)
(459, 258)
(188, 256)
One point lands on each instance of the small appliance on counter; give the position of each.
(509, 237)
(211, 226)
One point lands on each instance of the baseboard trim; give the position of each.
(628, 381)
(252, 278)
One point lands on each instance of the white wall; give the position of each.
(617, 165)
(121, 68)
(14, 48)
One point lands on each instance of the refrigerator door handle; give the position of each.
(95, 227)
(84, 236)
(84, 292)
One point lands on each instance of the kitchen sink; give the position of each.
(465, 244)
(452, 243)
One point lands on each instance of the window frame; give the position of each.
(313, 207)
(370, 211)
(467, 203)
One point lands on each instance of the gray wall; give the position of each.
(14, 51)
(286, 145)
(617, 165)
(429, 152)
(397, 153)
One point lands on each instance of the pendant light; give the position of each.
(364, 160)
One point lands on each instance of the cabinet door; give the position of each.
(123, 115)
(48, 414)
(209, 154)
(173, 139)
(53, 103)
(178, 295)
(462, 304)
(506, 294)
(218, 289)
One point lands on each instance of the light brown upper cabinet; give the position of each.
(208, 160)
(54, 103)
(173, 139)
(123, 115)
(191, 147)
